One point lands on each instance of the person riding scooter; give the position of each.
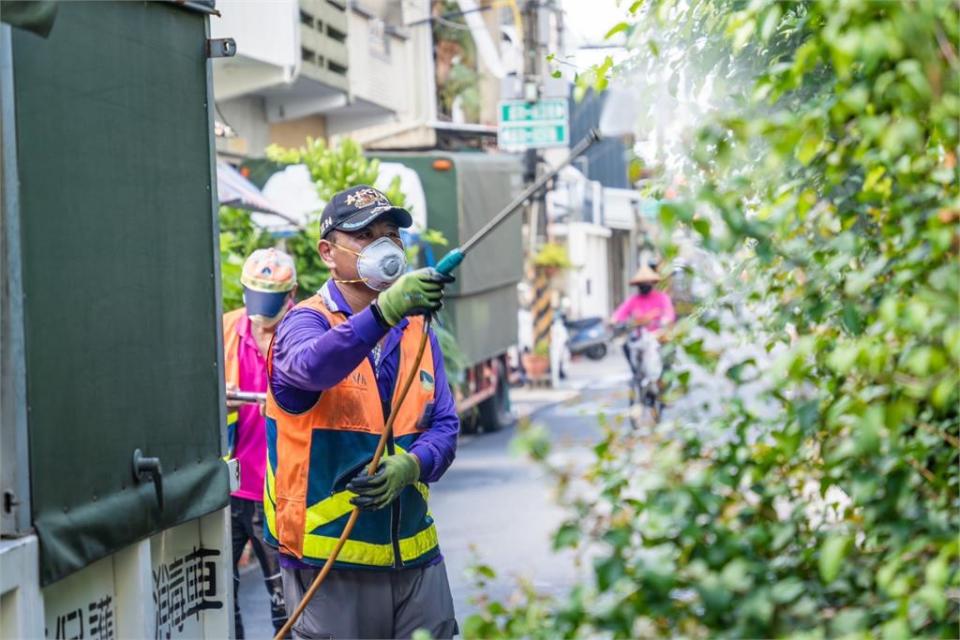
(649, 309)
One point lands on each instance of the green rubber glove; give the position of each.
(377, 491)
(415, 293)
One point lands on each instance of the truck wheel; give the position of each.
(495, 411)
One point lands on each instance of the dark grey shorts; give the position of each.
(372, 604)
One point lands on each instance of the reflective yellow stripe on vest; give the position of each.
(377, 555)
(381, 555)
(233, 419)
(269, 501)
(338, 505)
(328, 510)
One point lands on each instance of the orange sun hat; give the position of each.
(269, 271)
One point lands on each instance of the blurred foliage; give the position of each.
(454, 360)
(456, 55)
(239, 237)
(542, 349)
(821, 498)
(554, 255)
(333, 169)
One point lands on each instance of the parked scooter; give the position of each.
(588, 336)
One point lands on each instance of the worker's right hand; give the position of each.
(415, 293)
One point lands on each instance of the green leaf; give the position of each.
(484, 571)
(844, 357)
(832, 553)
(568, 535)
(758, 606)
(617, 28)
(736, 371)
(608, 571)
(937, 572)
(770, 21)
(848, 622)
(870, 430)
(787, 590)
(743, 32)
(809, 147)
(476, 626)
(702, 226)
(852, 320)
(918, 361)
(736, 575)
(897, 629)
(935, 598)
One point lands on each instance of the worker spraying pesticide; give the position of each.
(334, 373)
(320, 382)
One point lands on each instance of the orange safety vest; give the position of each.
(311, 456)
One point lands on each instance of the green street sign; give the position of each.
(533, 125)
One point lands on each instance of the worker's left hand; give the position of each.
(377, 491)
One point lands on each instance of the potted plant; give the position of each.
(537, 363)
(552, 257)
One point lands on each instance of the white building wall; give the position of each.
(265, 31)
(381, 65)
(268, 45)
(587, 286)
(415, 105)
(620, 208)
(248, 118)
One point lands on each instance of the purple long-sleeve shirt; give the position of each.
(309, 357)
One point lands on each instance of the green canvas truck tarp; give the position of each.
(119, 275)
(482, 304)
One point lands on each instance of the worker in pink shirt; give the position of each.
(269, 282)
(649, 308)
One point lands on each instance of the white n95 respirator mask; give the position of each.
(379, 264)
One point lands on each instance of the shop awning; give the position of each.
(236, 191)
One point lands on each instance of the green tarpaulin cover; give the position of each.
(117, 222)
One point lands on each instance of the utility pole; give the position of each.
(542, 308)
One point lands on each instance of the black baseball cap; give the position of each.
(354, 208)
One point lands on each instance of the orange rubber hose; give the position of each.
(348, 529)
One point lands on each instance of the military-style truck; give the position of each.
(463, 191)
(114, 515)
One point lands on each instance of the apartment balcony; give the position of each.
(268, 46)
(323, 42)
(291, 54)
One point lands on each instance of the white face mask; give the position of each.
(379, 264)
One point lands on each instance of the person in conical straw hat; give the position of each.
(645, 278)
(649, 308)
